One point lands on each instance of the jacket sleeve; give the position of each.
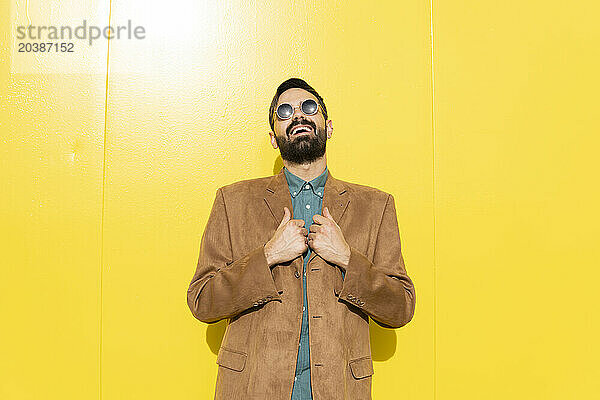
(222, 287)
(381, 288)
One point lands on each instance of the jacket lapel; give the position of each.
(335, 198)
(277, 196)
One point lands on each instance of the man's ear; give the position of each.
(329, 128)
(273, 141)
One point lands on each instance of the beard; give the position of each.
(305, 148)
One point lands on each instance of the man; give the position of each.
(297, 263)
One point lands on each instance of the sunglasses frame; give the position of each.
(294, 109)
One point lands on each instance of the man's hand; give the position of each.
(327, 240)
(288, 242)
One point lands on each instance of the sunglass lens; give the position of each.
(309, 107)
(285, 111)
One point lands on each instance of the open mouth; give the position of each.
(299, 129)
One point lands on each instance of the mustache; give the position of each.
(301, 122)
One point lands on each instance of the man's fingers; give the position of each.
(314, 228)
(319, 219)
(286, 217)
(304, 231)
(299, 222)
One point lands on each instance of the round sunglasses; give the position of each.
(308, 107)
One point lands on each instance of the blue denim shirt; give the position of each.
(307, 200)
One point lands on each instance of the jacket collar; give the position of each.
(277, 195)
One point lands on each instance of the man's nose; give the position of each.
(297, 113)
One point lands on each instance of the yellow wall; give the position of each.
(516, 199)
(488, 143)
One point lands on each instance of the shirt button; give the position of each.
(294, 193)
(319, 193)
(308, 206)
(303, 308)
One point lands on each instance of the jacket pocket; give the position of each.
(232, 359)
(361, 367)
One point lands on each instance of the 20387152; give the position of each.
(46, 47)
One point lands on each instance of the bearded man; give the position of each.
(297, 263)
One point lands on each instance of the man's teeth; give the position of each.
(300, 129)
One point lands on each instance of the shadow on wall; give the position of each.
(214, 335)
(277, 165)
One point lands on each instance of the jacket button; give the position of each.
(255, 304)
(297, 274)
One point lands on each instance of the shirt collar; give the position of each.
(296, 184)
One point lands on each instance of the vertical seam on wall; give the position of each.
(435, 297)
(102, 205)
